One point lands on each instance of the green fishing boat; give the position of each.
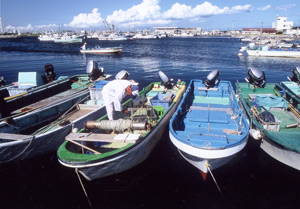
(274, 117)
(106, 147)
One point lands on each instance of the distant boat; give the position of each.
(69, 38)
(209, 127)
(274, 117)
(101, 50)
(266, 51)
(144, 36)
(113, 37)
(48, 36)
(97, 151)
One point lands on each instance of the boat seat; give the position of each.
(218, 117)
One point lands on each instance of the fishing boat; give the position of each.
(30, 87)
(266, 51)
(209, 127)
(68, 38)
(101, 50)
(293, 85)
(106, 147)
(274, 117)
(20, 136)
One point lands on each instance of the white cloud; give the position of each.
(264, 8)
(84, 20)
(27, 28)
(149, 12)
(286, 7)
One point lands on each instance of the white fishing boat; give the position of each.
(68, 38)
(266, 51)
(100, 50)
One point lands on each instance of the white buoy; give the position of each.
(74, 130)
(256, 134)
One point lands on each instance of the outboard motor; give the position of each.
(93, 71)
(168, 83)
(256, 78)
(296, 75)
(2, 81)
(122, 75)
(212, 79)
(50, 74)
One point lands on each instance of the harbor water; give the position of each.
(165, 180)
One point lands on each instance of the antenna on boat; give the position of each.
(208, 168)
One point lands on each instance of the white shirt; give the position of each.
(114, 92)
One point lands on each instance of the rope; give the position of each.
(76, 171)
(20, 152)
(208, 168)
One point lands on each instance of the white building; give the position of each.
(281, 24)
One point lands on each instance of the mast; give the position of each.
(1, 23)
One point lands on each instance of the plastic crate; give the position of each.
(15, 91)
(95, 93)
(159, 101)
(100, 84)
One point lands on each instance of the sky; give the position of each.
(125, 15)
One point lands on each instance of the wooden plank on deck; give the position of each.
(126, 138)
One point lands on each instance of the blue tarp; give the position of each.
(271, 101)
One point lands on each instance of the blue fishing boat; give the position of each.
(209, 127)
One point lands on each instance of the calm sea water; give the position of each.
(165, 180)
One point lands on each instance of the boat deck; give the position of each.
(211, 121)
(279, 133)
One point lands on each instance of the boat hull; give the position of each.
(201, 158)
(102, 51)
(280, 153)
(43, 143)
(259, 53)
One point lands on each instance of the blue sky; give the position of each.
(30, 15)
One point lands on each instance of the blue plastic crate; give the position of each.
(100, 84)
(159, 101)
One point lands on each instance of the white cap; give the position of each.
(123, 74)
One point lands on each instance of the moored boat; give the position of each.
(293, 85)
(209, 127)
(20, 137)
(274, 117)
(266, 51)
(118, 145)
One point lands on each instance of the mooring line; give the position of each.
(87, 197)
(208, 168)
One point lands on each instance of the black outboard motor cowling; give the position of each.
(168, 83)
(2, 81)
(256, 77)
(296, 75)
(93, 71)
(212, 79)
(50, 74)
